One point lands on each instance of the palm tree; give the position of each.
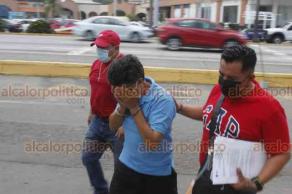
(52, 8)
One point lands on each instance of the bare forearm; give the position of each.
(193, 112)
(273, 166)
(116, 119)
(148, 134)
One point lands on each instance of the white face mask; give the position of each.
(103, 55)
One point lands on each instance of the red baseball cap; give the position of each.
(107, 38)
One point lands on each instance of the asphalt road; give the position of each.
(32, 114)
(271, 58)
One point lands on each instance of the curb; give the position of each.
(168, 75)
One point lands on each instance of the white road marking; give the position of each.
(152, 57)
(80, 51)
(268, 50)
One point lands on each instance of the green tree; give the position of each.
(40, 26)
(52, 8)
(2, 25)
(132, 17)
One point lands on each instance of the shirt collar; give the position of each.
(150, 93)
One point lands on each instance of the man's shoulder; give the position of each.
(160, 92)
(214, 93)
(95, 64)
(159, 95)
(263, 94)
(267, 100)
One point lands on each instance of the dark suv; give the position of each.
(177, 33)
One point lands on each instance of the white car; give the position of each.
(91, 27)
(25, 23)
(278, 35)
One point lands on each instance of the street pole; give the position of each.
(156, 13)
(38, 10)
(151, 13)
(114, 7)
(255, 30)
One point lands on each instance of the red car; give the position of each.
(177, 33)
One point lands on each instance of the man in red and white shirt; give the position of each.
(248, 113)
(98, 136)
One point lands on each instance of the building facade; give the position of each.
(36, 9)
(9, 8)
(88, 8)
(177, 9)
(272, 12)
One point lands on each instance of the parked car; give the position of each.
(249, 33)
(143, 24)
(13, 26)
(279, 35)
(177, 33)
(138, 24)
(91, 27)
(54, 23)
(25, 23)
(57, 23)
(68, 23)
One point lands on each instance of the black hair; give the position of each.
(127, 70)
(243, 54)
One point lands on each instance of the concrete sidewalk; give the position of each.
(42, 179)
(62, 119)
(27, 178)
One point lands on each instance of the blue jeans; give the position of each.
(98, 138)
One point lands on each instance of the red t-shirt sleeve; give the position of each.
(275, 131)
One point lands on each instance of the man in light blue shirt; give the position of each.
(145, 111)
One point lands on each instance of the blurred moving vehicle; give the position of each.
(139, 24)
(143, 24)
(279, 35)
(177, 33)
(249, 33)
(91, 27)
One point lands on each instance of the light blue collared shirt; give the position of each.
(159, 110)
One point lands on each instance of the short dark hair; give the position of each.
(241, 53)
(127, 70)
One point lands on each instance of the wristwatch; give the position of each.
(258, 184)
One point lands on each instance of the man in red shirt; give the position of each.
(248, 113)
(99, 137)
